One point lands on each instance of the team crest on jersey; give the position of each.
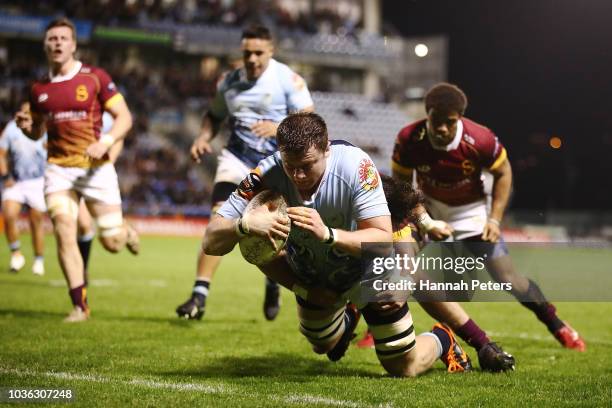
(423, 168)
(368, 175)
(111, 86)
(421, 134)
(42, 97)
(468, 167)
(81, 93)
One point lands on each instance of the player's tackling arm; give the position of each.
(502, 185)
(222, 234)
(376, 229)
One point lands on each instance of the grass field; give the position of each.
(135, 352)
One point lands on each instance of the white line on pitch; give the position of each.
(538, 337)
(207, 389)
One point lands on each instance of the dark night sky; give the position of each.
(532, 67)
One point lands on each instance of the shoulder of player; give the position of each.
(227, 79)
(348, 160)
(413, 133)
(475, 130)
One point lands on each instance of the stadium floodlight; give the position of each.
(421, 50)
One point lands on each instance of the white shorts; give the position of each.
(96, 184)
(29, 192)
(230, 169)
(467, 220)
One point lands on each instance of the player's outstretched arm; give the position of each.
(502, 185)
(222, 234)
(375, 229)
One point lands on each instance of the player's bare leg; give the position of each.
(63, 208)
(529, 294)
(402, 353)
(10, 211)
(115, 233)
(85, 235)
(38, 241)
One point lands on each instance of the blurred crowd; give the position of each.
(156, 174)
(309, 16)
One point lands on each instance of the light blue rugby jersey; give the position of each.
(27, 156)
(350, 191)
(276, 93)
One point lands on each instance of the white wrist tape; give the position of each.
(241, 226)
(427, 223)
(494, 221)
(107, 140)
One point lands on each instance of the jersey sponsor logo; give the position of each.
(69, 115)
(368, 175)
(42, 97)
(468, 167)
(81, 93)
(423, 168)
(86, 70)
(250, 186)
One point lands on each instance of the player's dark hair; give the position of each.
(300, 131)
(445, 97)
(257, 31)
(402, 198)
(62, 22)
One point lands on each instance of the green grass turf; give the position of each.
(135, 352)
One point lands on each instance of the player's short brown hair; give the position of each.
(62, 22)
(445, 97)
(257, 31)
(300, 131)
(402, 198)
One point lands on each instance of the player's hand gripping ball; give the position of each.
(259, 249)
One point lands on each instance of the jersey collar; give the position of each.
(456, 140)
(60, 78)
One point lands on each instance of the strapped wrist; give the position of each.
(241, 226)
(331, 236)
(425, 222)
(107, 139)
(494, 221)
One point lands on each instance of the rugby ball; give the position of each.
(259, 250)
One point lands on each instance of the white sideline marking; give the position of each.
(207, 389)
(547, 338)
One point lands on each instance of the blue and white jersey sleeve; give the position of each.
(368, 195)
(27, 156)
(268, 173)
(296, 92)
